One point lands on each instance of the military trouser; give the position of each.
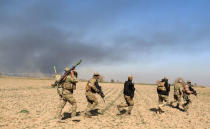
(92, 102)
(187, 100)
(128, 103)
(177, 100)
(163, 101)
(63, 100)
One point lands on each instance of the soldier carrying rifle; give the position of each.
(92, 88)
(66, 86)
(186, 95)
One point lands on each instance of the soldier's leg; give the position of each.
(160, 103)
(187, 104)
(88, 109)
(95, 102)
(185, 97)
(175, 100)
(120, 106)
(125, 104)
(166, 100)
(72, 101)
(179, 101)
(130, 103)
(92, 102)
(60, 107)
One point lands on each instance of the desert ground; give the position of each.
(31, 103)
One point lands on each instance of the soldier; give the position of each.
(186, 95)
(166, 84)
(91, 90)
(128, 95)
(66, 94)
(178, 93)
(163, 89)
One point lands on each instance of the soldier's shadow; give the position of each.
(95, 112)
(122, 112)
(172, 106)
(153, 110)
(68, 115)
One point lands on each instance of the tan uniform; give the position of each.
(177, 94)
(67, 96)
(91, 90)
(162, 96)
(186, 97)
(163, 101)
(129, 103)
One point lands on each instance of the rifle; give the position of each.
(100, 92)
(66, 74)
(193, 90)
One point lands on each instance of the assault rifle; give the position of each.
(100, 92)
(193, 90)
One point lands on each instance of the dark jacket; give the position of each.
(167, 86)
(129, 89)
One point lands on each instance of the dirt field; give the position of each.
(31, 103)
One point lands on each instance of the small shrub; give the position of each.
(24, 111)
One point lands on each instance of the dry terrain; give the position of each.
(31, 103)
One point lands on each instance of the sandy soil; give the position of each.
(31, 103)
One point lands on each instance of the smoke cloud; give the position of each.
(35, 35)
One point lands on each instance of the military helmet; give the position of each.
(188, 81)
(96, 74)
(67, 69)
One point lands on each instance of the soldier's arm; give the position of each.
(126, 86)
(92, 85)
(73, 77)
(133, 87)
(187, 89)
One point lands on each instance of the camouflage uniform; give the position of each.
(177, 93)
(186, 97)
(68, 87)
(91, 90)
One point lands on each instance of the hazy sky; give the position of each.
(149, 39)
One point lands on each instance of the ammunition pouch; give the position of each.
(74, 86)
(161, 87)
(88, 88)
(68, 86)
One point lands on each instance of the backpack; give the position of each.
(160, 86)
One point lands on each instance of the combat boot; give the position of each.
(100, 112)
(128, 113)
(160, 111)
